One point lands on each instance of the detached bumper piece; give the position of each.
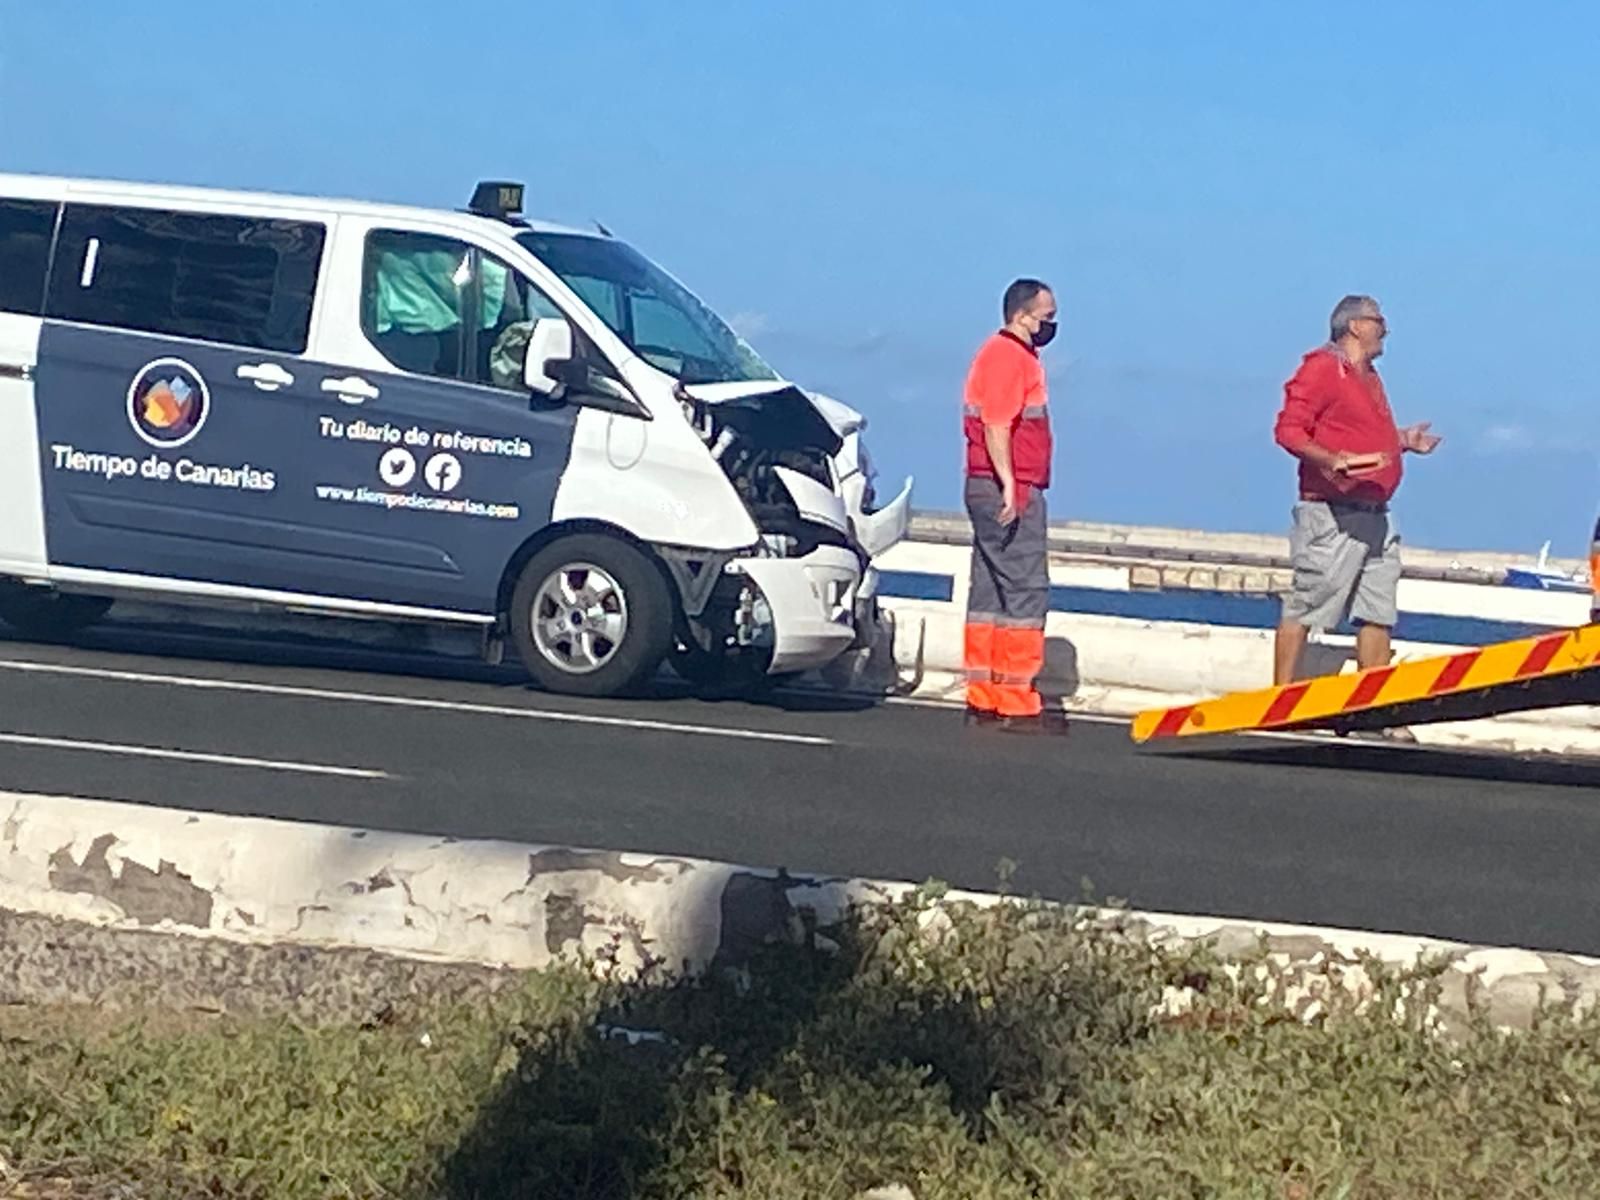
(1548, 671)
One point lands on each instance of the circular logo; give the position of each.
(443, 472)
(168, 402)
(397, 466)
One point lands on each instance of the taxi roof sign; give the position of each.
(497, 199)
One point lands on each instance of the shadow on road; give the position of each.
(268, 648)
(792, 700)
(397, 656)
(1488, 766)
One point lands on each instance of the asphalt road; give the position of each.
(1480, 848)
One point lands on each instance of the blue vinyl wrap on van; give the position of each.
(159, 459)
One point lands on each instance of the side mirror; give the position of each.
(549, 346)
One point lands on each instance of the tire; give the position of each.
(45, 615)
(591, 616)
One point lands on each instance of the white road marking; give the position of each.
(226, 760)
(419, 702)
(536, 714)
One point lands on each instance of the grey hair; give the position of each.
(1349, 309)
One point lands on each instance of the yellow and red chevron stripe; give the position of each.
(1330, 696)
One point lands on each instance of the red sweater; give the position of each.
(1340, 408)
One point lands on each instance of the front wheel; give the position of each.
(591, 616)
(45, 615)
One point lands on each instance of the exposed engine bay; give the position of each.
(777, 450)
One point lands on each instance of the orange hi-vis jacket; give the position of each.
(1006, 386)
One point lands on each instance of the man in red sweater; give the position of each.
(1343, 545)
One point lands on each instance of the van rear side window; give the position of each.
(26, 227)
(241, 281)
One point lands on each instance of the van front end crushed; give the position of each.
(802, 611)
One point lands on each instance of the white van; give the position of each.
(384, 412)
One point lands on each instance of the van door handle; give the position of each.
(269, 377)
(352, 389)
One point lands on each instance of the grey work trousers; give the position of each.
(1008, 598)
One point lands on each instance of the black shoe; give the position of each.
(979, 716)
(1046, 723)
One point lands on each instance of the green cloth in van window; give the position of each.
(417, 291)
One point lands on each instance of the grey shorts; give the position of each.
(1346, 566)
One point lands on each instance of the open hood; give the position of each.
(840, 416)
(721, 393)
(768, 416)
(785, 427)
(844, 419)
(777, 450)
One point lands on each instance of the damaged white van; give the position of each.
(462, 417)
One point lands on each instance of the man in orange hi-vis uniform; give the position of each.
(1008, 452)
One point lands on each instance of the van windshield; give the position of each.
(662, 322)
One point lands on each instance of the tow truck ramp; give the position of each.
(1548, 671)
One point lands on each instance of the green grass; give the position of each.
(1013, 1056)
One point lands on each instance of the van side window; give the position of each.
(26, 227)
(241, 281)
(437, 306)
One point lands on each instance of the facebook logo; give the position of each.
(443, 472)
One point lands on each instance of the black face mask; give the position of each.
(1047, 331)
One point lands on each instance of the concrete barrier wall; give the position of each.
(1150, 617)
(269, 882)
(1174, 545)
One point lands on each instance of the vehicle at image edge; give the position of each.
(467, 417)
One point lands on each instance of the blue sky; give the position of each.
(855, 183)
